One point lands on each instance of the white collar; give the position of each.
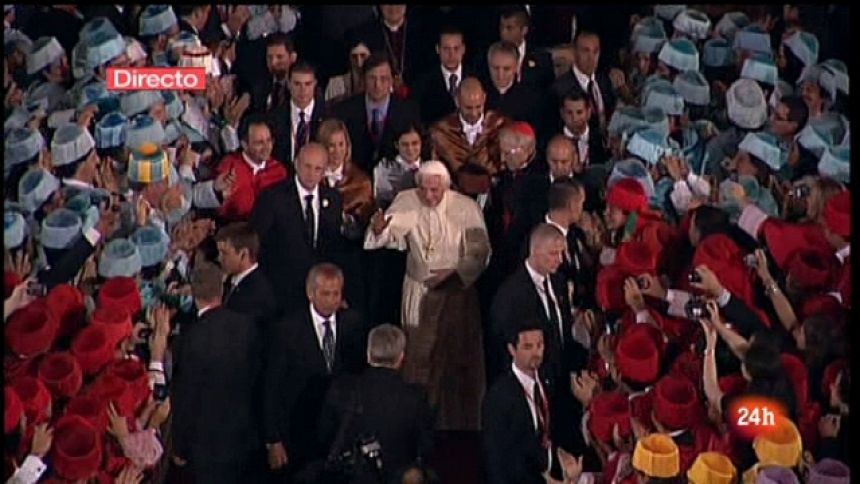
(408, 165)
(394, 28)
(446, 74)
(556, 225)
(570, 134)
(206, 309)
(304, 192)
(74, 182)
(536, 277)
(254, 166)
(843, 253)
(505, 89)
(319, 319)
(242, 275)
(522, 50)
(552, 179)
(525, 380)
(308, 110)
(472, 127)
(582, 78)
(334, 176)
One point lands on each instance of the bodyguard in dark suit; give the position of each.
(308, 349)
(585, 77)
(379, 403)
(246, 288)
(375, 116)
(268, 88)
(516, 437)
(119, 15)
(535, 66)
(299, 224)
(296, 121)
(575, 111)
(435, 89)
(193, 18)
(218, 359)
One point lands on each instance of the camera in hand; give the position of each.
(36, 289)
(750, 261)
(694, 277)
(365, 456)
(695, 308)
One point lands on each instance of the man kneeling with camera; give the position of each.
(377, 424)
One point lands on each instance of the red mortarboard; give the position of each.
(61, 373)
(90, 407)
(636, 258)
(606, 410)
(797, 373)
(93, 347)
(812, 269)
(12, 410)
(77, 449)
(66, 303)
(116, 321)
(628, 195)
(120, 292)
(676, 403)
(31, 330)
(133, 373)
(10, 280)
(35, 397)
(637, 356)
(837, 214)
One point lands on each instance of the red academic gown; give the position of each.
(247, 185)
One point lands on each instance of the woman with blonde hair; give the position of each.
(358, 204)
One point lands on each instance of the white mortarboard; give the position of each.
(631, 168)
(143, 128)
(664, 96)
(753, 38)
(693, 87)
(134, 50)
(668, 12)
(137, 102)
(173, 104)
(151, 244)
(156, 19)
(717, 53)
(823, 132)
(35, 188)
(648, 39)
(45, 51)
(60, 229)
(648, 144)
(111, 130)
(766, 147)
(103, 48)
(730, 23)
(836, 163)
(680, 54)
(839, 70)
(70, 143)
(811, 73)
(97, 26)
(760, 67)
(197, 57)
(14, 229)
(746, 105)
(22, 144)
(804, 46)
(692, 23)
(119, 258)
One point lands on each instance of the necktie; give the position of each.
(228, 289)
(452, 84)
(328, 345)
(553, 314)
(542, 416)
(376, 125)
(309, 219)
(277, 94)
(592, 93)
(301, 132)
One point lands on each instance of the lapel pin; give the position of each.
(325, 203)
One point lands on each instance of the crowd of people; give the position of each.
(585, 234)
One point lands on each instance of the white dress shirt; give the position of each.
(843, 253)
(472, 131)
(318, 320)
(255, 168)
(294, 123)
(446, 74)
(582, 79)
(334, 176)
(539, 282)
(522, 50)
(582, 146)
(528, 384)
(242, 275)
(316, 205)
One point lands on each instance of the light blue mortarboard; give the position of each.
(97, 26)
(156, 19)
(839, 70)
(45, 51)
(36, 188)
(137, 102)
(753, 38)
(119, 258)
(648, 39)
(692, 23)
(664, 96)
(60, 229)
(717, 53)
(693, 87)
(730, 23)
(173, 104)
(111, 130)
(143, 128)
(804, 46)
(14, 229)
(151, 243)
(746, 105)
(766, 147)
(680, 54)
(823, 132)
(648, 144)
(103, 48)
(668, 12)
(22, 144)
(836, 163)
(760, 67)
(631, 168)
(70, 143)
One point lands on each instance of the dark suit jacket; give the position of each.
(396, 412)
(430, 91)
(537, 71)
(68, 265)
(296, 379)
(286, 255)
(282, 126)
(567, 82)
(353, 112)
(219, 357)
(122, 21)
(516, 300)
(53, 22)
(417, 44)
(510, 443)
(254, 297)
(521, 102)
